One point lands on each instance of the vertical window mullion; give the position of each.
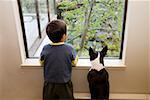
(38, 18)
(123, 29)
(47, 2)
(23, 29)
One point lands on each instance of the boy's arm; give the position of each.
(74, 62)
(41, 60)
(74, 58)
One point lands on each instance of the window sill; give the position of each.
(82, 63)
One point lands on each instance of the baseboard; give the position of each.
(116, 96)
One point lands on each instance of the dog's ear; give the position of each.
(105, 48)
(91, 51)
(103, 54)
(93, 54)
(104, 51)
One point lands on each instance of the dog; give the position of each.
(98, 77)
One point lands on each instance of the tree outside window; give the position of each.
(91, 23)
(94, 23)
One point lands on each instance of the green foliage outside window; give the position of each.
(94, 23)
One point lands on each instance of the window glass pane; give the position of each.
(30, 21)
(43, 15)
(52, 5)
(94, 23)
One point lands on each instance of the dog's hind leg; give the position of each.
(91, 81)
(93, 92)
(106, 91)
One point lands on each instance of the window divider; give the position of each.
(48, 11)
(23, 29)
(123, 28)
(38, 18)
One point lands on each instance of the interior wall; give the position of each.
(1, 70)
(134, 78)
(149, 44)
(19, 83)
(0, 60)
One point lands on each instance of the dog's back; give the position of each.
(98, 84)
(98, 77)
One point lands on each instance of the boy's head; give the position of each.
(56, 30)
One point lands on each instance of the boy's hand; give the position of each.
(74, 62)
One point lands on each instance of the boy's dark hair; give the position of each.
(55, 30)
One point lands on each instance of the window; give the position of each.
(94, 23)
(34, 17)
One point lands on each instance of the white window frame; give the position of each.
(82, 63)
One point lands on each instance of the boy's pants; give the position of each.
(58, 91)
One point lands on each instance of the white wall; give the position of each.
(149, 45)
(18, 83)
(0, 57)
(134, 78)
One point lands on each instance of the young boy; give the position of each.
(57, 59)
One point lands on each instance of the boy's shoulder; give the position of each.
(66, 45)
(69, 45)
(47, 45)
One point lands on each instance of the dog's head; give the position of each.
(94, 54)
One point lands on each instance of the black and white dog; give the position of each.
(98, 76)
